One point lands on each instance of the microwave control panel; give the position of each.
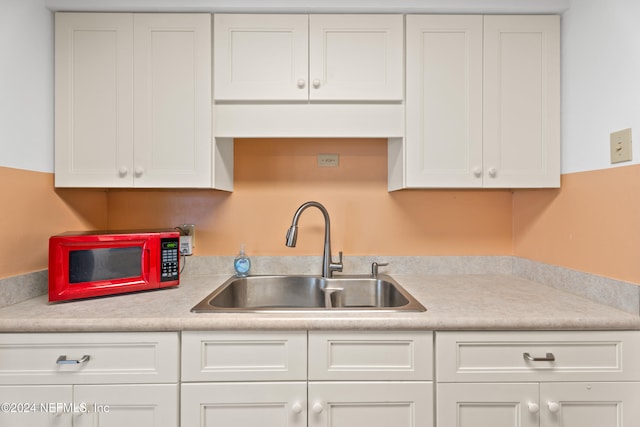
(169, 259)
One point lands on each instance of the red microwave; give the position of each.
(98, 263)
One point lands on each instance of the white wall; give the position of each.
(600, 80)
(26, 85)
(316, 6)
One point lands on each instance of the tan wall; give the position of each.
(32, 211)
(592, 224)
(274, 177)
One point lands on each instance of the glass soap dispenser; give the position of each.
(242, 263)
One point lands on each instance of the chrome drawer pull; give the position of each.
(62, 360)
(548, 358)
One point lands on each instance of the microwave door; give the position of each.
(105, 264)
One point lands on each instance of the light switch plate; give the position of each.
(621, 146)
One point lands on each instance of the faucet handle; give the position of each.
(374, 268)
(336, 266)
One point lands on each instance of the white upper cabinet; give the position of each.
(356, 57)
(133, 100)
(521, 101)
(261, 57)
(482, 103)
(308, 57)
(172, 100)
(94, 99)
(444, 101)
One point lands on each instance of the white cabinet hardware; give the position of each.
(62, 360)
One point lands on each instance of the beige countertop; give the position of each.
(454, 302)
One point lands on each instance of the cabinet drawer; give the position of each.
(557, 356)
(371, 355)
(244, 356)
(112, 358)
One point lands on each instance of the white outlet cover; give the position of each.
(328, 160)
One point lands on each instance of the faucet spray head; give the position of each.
(292, 236)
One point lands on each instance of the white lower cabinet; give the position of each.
(366, 378)
(89, 379)
(532, 404)
(538, 379)
(321, 379)
(101, 405)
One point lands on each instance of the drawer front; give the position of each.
(538, 356)
(371, 355)
(83, 358)
(244, 356)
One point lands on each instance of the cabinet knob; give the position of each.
(493, 172)
(296, 408)
(316, 83)
(533, 407)
(553, 407)
(139, 171)
(317, 407)
(477, 172)
(123, 171)
(302, 83)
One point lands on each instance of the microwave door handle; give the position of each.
(146, 262)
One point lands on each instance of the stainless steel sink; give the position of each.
(308, 294)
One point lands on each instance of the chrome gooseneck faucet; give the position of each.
(328, 266)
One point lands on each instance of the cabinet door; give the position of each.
(522, 101)
(356, 57)
(148, 405)
(281, 404)
(261, 57)
(444, 101)
(36, 406)
(172, 80)
(483, 404)
(589, 404)
(371, 404)
(94, 100)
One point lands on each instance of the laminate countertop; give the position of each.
(453, 302)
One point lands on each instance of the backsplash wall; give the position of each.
(33, 210)
(273, 177)
(591, 224)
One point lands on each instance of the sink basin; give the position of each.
(308, 294)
